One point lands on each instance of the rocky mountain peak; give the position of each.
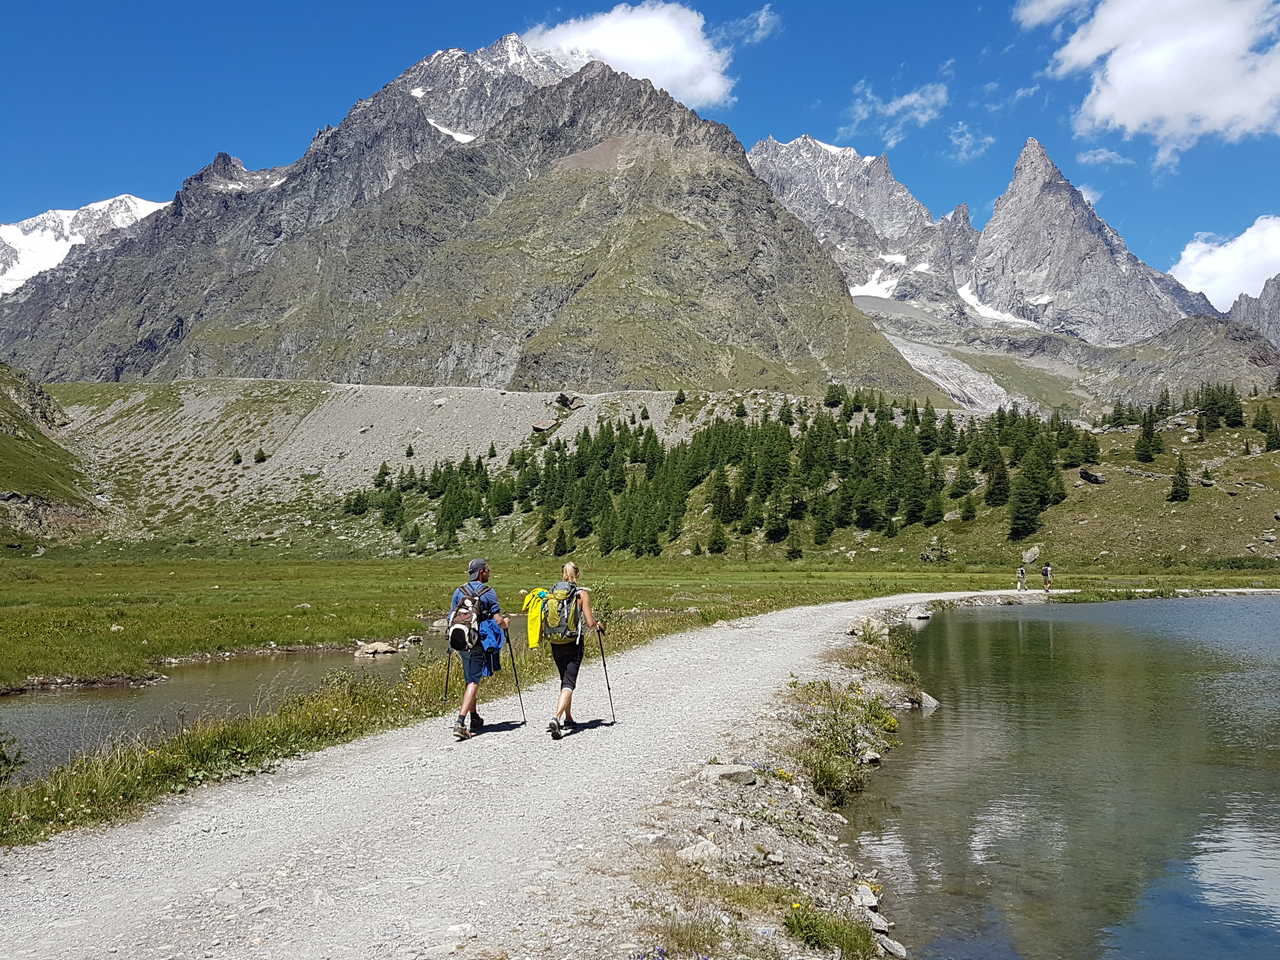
(1261, 312)
(1034, 165)
(959, 216)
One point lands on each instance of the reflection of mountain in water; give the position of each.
(1084, 792)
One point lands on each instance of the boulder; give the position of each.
(699, 852)
(1032, 555)
(542, 426)
(927, 703)
(375, 649)
(876, 922)
(892, 947)
(919, 612)
(1089, 476)
(728, 772)
(864, 896)
(1206, 482)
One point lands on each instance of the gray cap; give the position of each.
(475, 566)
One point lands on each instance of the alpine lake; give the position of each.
(1100, 781)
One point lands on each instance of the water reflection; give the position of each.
(1097, 773)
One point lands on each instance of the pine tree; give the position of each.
(777, 520)
(1262, 419)
(717, 542)
(259, 455)
(793, 546)
(1273, 436)
(997, 494)
(644, 413)
(962, 483)
(933, 511)
(680, 397)
(380, 478)
(1024, 507)
(740, 411)
(720, 497)
(1180, 489)
(823, 522)
(236, 458)
(835, 395)
(408, 452)
(561, 546)
(967, 509)
(785, 416)
(493, 451)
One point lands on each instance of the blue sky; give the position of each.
(107, 99)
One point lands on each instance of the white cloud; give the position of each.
(947, 69)
(1223, 267)
(1090, 193)
(1023, 92)
(969, 144)
(663, 42)
(917, 108)
(1177, 71)
(1037, 13)
(753, 28)
(1102, 157)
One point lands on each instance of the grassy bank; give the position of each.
(87, 622)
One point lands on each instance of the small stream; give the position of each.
(1101, 781)
(54, 726)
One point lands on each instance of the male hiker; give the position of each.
(479, 660)
(1047, 573)
(1022, 576)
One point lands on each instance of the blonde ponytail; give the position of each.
(570, 572)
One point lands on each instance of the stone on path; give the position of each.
(699, 852)
(730, 772)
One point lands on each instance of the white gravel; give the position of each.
(407, 844)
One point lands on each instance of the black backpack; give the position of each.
(464, 621)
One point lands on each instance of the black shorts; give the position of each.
(568, 657)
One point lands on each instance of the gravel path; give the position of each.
(407, 844)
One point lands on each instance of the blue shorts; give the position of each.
(479, 663)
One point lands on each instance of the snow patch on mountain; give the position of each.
(40, 243)
(880, 285)
(983, 310)
(460, 137)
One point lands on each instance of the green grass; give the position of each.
(826, 930)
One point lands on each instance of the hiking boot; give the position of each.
(555, 729)
(477, 723)
(460, 731)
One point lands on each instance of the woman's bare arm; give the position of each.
(584, 601)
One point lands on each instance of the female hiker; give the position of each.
(567, 612)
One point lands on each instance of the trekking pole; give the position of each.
(605, 663)
(448, 665)
(515, 673)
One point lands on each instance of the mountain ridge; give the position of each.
(438, 272)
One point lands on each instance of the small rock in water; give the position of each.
(374, 649)
(863, 896)
(892, 947)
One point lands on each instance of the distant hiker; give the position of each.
(477, 627)
(1047, 572)
(566, 611)
(1022, 576)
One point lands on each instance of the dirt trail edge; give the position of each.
(406, 844)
